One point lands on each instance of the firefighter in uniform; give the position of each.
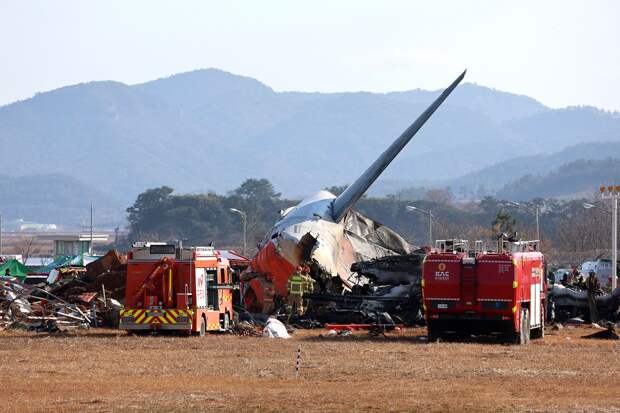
(574, 276)
(309, 286)
(579, 282)
(593, 287)
(295, 293)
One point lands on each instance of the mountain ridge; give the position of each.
(208, 130)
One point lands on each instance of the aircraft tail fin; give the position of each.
(354, 192)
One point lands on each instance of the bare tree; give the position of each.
(25, 246)
(583, 234)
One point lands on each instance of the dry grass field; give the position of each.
(107, 370)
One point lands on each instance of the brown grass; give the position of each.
(107, 370)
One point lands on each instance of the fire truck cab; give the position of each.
(481, 291)
(185, 289)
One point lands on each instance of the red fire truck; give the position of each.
(185, 289)
(480, 291)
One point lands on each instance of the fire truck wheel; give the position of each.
(432, 333)
(540, 332)
(524, 336)
(226, 322)
(203, 327)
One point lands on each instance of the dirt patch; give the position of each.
(107, 370)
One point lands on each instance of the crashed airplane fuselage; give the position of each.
(307, 234)
(324, 232)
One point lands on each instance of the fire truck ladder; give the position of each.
(469, 283)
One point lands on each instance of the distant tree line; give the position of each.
(159, 214)
(569, 232)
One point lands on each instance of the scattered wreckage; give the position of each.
(386, 292)
(21, 308)
(565, 303)
(71, 297)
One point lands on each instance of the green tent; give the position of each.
(68, 261)
(61, 261)
(17, 268)
(83, 260)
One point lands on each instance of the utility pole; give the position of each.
(613, 192)
(430, 228)
(0, 233)
(116, 236)
(614, 243)
(90, 247)
(537, 225)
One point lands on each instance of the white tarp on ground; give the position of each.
(275, 329)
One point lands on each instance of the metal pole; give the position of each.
(614, 243)
(244, 222)
(90, 247)
(0, 233)
(245, 226)
(430, 229)
(537, 225)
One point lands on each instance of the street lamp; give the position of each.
(613, 192)
(588, 205)
(535, 211)
(428, 213)
(244, 219)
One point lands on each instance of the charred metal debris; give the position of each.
(386, 291)
(71, 297)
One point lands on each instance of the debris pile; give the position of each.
(20, 308)
(107, 273)
(566, 303)
(245, 328)
(386, 291)
(73, 297)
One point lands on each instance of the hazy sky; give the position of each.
(559, 52)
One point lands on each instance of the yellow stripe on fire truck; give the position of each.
(139, 319)
(166, 317)
(132, 313)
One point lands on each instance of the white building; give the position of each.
(74, 244)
